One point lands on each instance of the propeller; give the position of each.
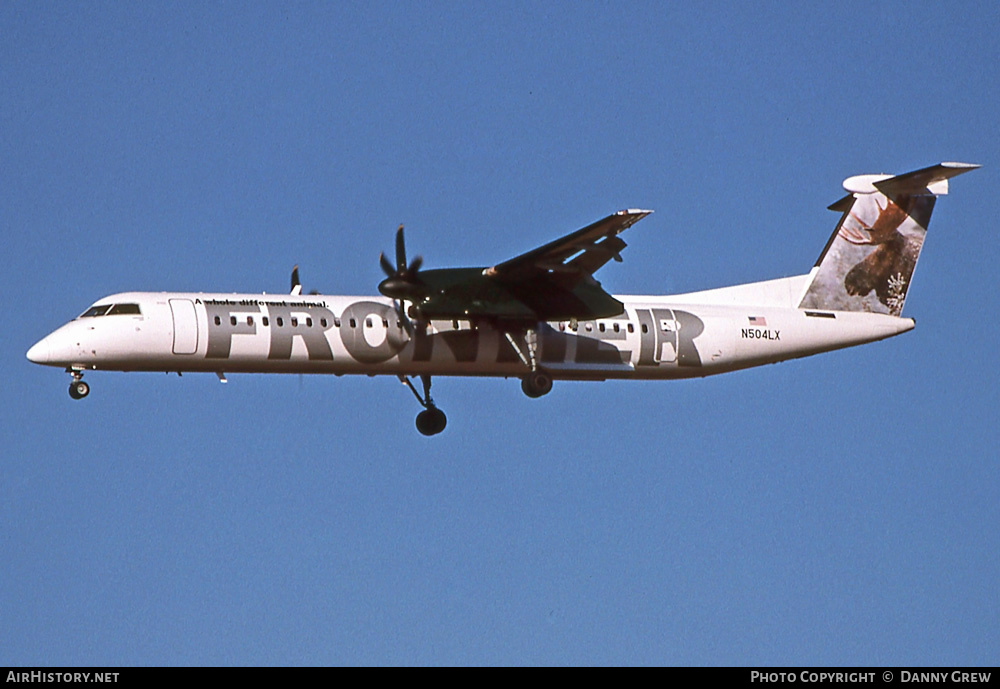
(401, 280)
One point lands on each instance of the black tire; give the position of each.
(431, 421)
(78, 389)
(536, 384)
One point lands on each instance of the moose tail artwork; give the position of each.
(869, 261)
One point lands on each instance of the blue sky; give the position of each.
(841, 509)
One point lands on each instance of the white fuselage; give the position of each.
(680, 336)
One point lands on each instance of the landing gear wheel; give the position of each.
(78, 389)
(536, 384)
(431, 421)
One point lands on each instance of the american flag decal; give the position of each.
(759, 321)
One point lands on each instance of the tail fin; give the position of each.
(868, 263)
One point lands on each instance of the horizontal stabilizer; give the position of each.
(932, 180)
(929, 181)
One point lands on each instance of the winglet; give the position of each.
(296, 285)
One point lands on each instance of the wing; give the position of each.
(552, 282)
(574, 257)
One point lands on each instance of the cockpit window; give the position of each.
(98, 310)
(112, 310)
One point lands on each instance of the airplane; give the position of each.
(539, 317)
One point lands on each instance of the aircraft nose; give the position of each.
(40, 352)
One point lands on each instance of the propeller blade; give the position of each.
(400, 250)
(415, 266)
(386, 265)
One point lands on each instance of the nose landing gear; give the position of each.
(78, 389)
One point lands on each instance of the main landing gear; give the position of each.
(431, 420)
(78, 389)
(536, 382)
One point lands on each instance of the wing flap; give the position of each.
(581, 253)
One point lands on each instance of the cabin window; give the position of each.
(645, 328)
(454, 325)
(309, 322)
(368, 322)
(280, 321)
(354, 323)
(249, 320)
(264, 320)
(336, 322)
(601, 327)
(385, 323)
(295, 322)
(218, 321)
(232, 320)
(631, 328)
(617, 328)
(322, 321)
(588, 327)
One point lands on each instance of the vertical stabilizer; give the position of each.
(869, 261)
